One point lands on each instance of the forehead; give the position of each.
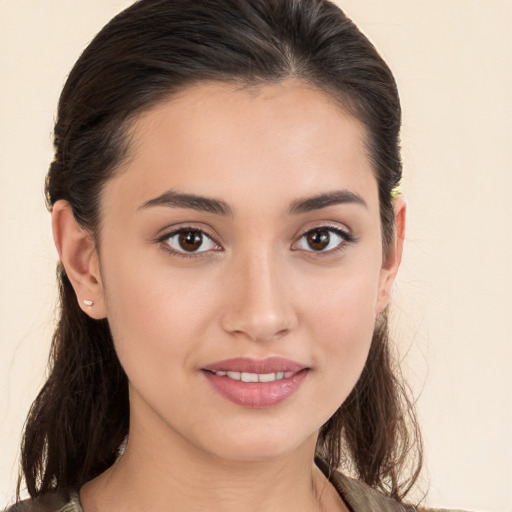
(272, 141)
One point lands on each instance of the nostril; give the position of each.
(262, 311)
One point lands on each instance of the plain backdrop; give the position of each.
(453, 63)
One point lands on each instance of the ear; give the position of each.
(78, 254)
(393, 257)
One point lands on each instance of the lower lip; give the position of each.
(256, 395)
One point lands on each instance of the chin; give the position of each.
(259, 445)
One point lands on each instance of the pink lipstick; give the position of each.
(256, 383)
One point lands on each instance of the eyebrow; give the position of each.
(324, 200)
(173, 199)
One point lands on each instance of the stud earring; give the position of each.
(88, 303)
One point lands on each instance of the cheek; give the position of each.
(342, 320)
(153, 317)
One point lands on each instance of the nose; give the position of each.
(259, 305)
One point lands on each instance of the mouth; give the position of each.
(253, 377)
(256, 383)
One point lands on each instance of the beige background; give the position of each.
(453, 62)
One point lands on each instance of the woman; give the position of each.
(224, 205)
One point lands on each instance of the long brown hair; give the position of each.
(145, 54)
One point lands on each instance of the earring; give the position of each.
(88, 303)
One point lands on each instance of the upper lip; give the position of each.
(261, 366)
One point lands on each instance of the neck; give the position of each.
(160, 472)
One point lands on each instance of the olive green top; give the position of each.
(358, 496)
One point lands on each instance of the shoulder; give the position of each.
(47, 503)
(361, 497)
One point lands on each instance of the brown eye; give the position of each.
(324, 239)
(319, 239)
(190, 241)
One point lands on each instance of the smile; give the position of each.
(256, 383)
(255, 377)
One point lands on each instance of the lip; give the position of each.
(245, 364)
(256, 394)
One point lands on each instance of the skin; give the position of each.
(257, 290)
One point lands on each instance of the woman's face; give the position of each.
(242, 235)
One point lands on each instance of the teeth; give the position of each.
(249, 377)
(255, 377)
(267, 377)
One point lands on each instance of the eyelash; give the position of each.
(347, 239)
(186, 229)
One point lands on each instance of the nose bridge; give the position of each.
(259, 307)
